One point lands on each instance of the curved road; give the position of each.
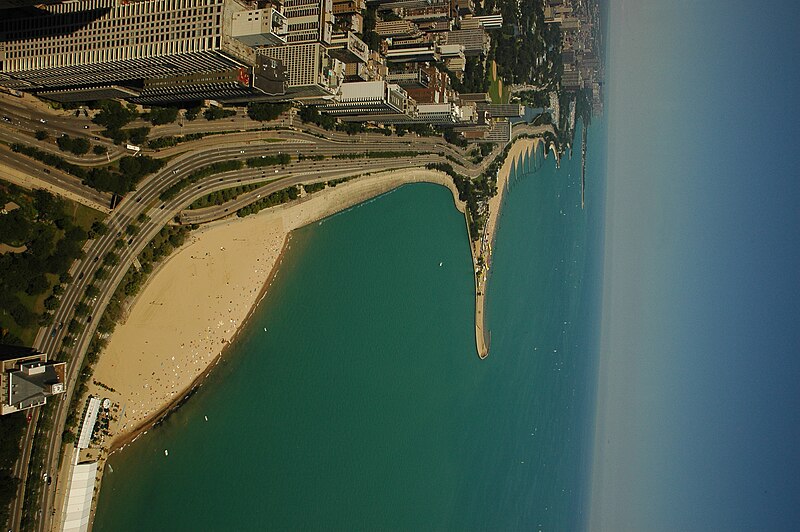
(145, 200)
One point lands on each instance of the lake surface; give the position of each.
(364, 404)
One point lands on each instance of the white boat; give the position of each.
(166, 452)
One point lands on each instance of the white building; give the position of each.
(260, 27)
(370, 101)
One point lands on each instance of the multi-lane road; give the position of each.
(145, 199)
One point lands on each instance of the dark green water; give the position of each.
(364, 404)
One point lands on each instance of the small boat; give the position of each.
(440, 264)
(265, 329)
(166, 452)
(205, 417)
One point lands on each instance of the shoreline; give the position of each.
(482, 248)
(349, 195)
(283, 220)
(308, 209)
(166, 410)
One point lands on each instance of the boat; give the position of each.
(166, 452)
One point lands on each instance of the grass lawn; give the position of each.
(497, 92)
(82, 216)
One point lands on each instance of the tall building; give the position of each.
(348, 48)
(309, 21)
(396, 28)
(491, 22)
(342, 7)
(498, 110)
(370, 101)
(475, 41)
(312, 74)
(27, 379)
(260, 27)
(91, 43)
(267, 78)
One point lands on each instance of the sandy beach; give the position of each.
(518, 150)
(192, 307)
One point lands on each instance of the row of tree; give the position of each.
(108, 178)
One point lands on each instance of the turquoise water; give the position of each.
(364, 405)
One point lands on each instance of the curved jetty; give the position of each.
(482, 247)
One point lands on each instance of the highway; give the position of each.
(145, 199)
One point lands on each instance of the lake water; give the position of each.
(364, 404)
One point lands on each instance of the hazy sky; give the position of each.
(698, 422)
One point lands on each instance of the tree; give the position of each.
(41, 134)
(192, 112)
(217, 113)
(99, 228)
(51, 303)
(99, 149)
(132, 229)
(37, 285)
(82, 309)
(266, 111)
(65, 278)
(111, 259)
(113, 115)
(101, 274)
(162, 115)
(138, 135)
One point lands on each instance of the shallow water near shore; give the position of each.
(354, 398)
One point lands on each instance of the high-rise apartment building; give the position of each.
(260, 27)
(396, 28)
(267, 78)
(474, 41)
(370, 101)
(309, 21)
(90, 43)
(312, 74)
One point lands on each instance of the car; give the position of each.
(162, 206)
(46, 171)
(241, 151)
(78, 112)
(89, 319)
(95, 259)
(80, 275)
(85, 127)
(96, 138)
(7, 119)
(53, 333)
(42, 120)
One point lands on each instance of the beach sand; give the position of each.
(192, 307)
(517, 151)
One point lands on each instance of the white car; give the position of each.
(42, 120)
